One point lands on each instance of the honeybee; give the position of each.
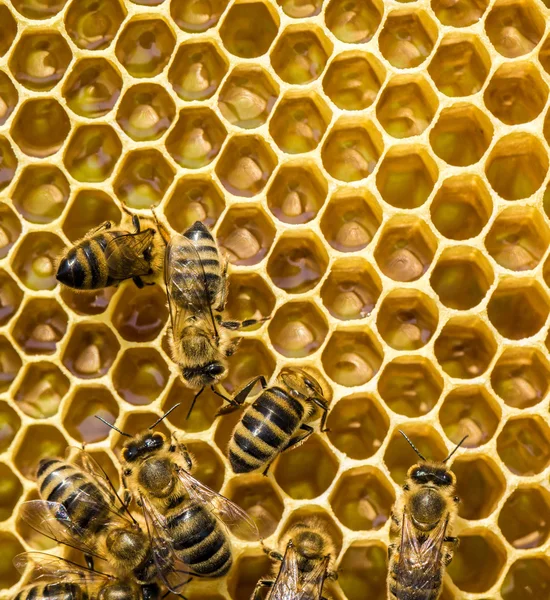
(420, 548)
(106, 256)
(305, 565)
(276, 421)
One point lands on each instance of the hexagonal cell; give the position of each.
(470, 410)
(353, 80)
(208, 467)
(93, 302)
(514, 28)
(8, 164)
(405, 249)
(407, 319)
(251, 359)
(297, 192)
(298, 9)
(524, 520)
(478, 562)
(297, 329)
(93, 24)
(479, 485)
(204, 412)
(37, 442)
(143, 178)
(8, 94)
(462, 135)
(41, 193)
(351, 150)
(362, 499)
(517, 166)
(524, 446)
(298, 262)
(9, 29)
(300, 55)
(10, 493)
(247, 571)
(10, 549)
(195, 198)
(247, 96)
(196, 138)
(249, 297)
(245, 165)
(245, 235)
(92, 153)
(140, 317)
(88, 210)
(91, 350)
(145, 46)
(10, 423)
(544, 55)
(41, 390)
(11, 297)
(307, 471)
(299, 123)
(248, 29)
(460, 14)
(92, 88)
(518, 308)
(197, 70)
(35, 260)
(79, 418)
(354, 22)
(39, 60)
(40, 326)
(195, 16)
(408, 38)
(363, 571)
(406, 176)
(38, 9)
(526, 578)
(40, 127)
(465, 347)
(10, 225)
(461, 207)
(460, 65)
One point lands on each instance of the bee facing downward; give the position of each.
(420, 548)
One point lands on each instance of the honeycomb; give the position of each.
(377, 174)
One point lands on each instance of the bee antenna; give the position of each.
(412, 445)
(456, 448)
(112, 426)
(164, 416)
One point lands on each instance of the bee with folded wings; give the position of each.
(421, 547)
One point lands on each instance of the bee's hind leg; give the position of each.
(138, 282)
(240, 397)
(236, 325)
(263, 583)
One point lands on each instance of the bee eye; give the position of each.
(445, 479)
(420, 475)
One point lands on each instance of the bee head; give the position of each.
(150, 591)
(425, 473)
(143, 446)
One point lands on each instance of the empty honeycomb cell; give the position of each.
(462, 135)
(208, 467)
(479, 484)
(527, 579)
(196, 16)
(300, 9)
(251, 359)
(82, 408)
(10, 491)
(250, 297)
(247, 571)
(406, 177)
(197, 70)
(9, 29)
(297, 192)
(40, 326)
(8, 163)
(11, 297)
(523, 445)
(39, 60)
(93, 24)
(298, 262)
(307, 471)
(10, 423)
(470, 410)
(410, 386)
(407, 319)
(196, 138)
(92, 153)
(518, 308)
(41, 390)
(38, 9)
(245, 165)
(88, 210)
(521, 377)
(354, 22)
(245, 235)
(194, 198)
(41, 193)
(40, 127)
(351, 150)
(544, 55)
(11, 547)
(524, 520)
(514, 28)
(405, 249)
(362, 499)
(300, 55)
(299, 123)
(478, 562)
(460, 65)
(363, 571)
(517, 166)
(10, 227)
(248, 29)
(247, 96)
(140, 376)
(35, 260)
(352, 357)
(8, 95)
(461, 207)
(144, 46)
(350, 220)
(461, 277)
(35, 443)
(143, 178)
(459, 14)
(297, 329)
(353, 80)
(91, 350)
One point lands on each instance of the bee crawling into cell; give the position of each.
(421, 523)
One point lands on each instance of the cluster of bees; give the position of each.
(167, 527)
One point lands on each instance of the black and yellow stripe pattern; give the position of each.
(53, 591)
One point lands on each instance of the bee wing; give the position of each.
(231, 515)
(288, 577)
(301, 382)
(312, 584)
(124, 254)
(45, 567)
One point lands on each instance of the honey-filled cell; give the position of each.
(527, 578)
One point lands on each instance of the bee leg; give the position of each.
(263, 583)
(241, 395)
(322, 404)
(300, 438)
(232, 347)
(236, 325)
(332, 575)
(193, 403)
(138, 281)
(186, 456)
(164, 233)
(92, 232)
(225, 288)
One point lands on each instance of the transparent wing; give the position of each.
(302, 382)
(288, 578)
(311, 587)
(124, 254)
(45, 568)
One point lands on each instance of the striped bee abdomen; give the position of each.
(53, 591)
